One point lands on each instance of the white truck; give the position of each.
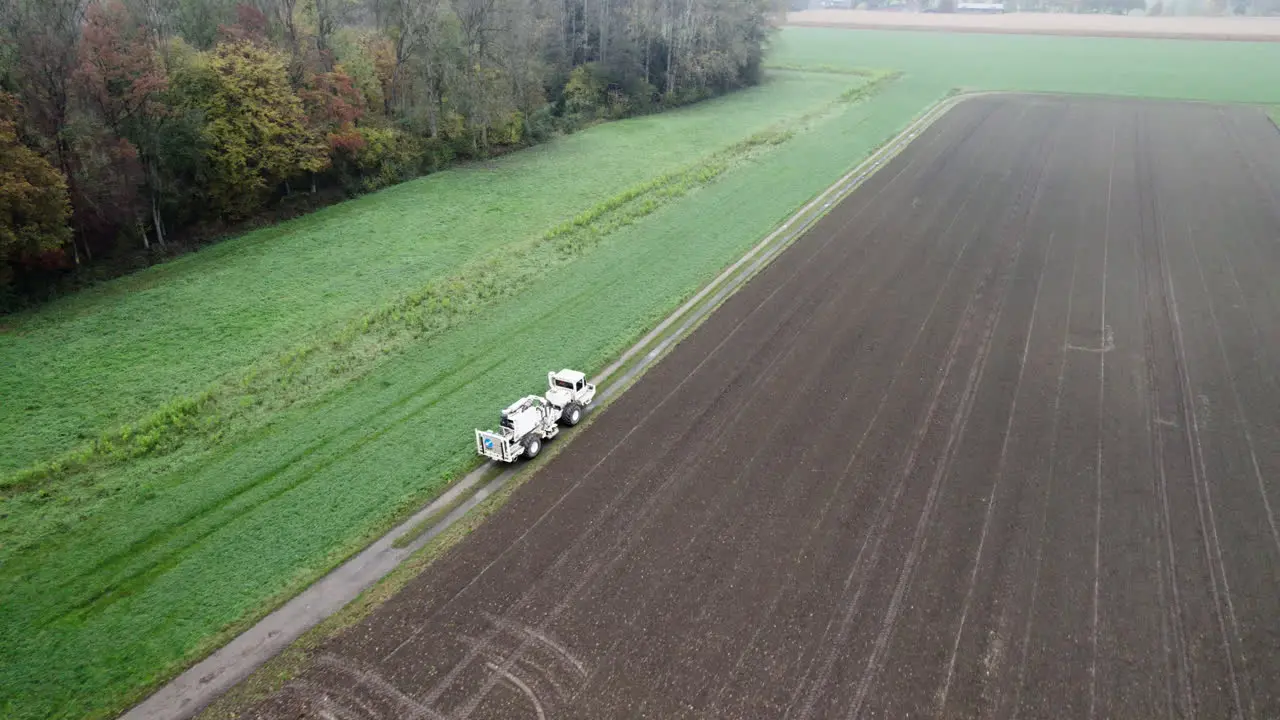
(530, 420)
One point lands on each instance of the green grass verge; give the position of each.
(120, 566)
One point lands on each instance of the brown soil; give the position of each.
(998, 437)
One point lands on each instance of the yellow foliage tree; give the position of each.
(255, 127)
(33, 196)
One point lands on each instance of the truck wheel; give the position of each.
(532, 447)
(573, 414)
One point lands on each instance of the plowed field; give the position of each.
(1000, 436)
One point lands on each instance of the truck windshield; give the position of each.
(563, 383)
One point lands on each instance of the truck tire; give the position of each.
(572, 414)
(532, 447)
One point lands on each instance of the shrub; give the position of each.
(388, 156)
(584, 93)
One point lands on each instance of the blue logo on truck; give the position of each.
(488, 444)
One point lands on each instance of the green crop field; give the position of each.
(1177, 69)
(289, 394)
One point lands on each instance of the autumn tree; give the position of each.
(123, 79)
(255, 127)
(333, 104)
(34, 207)
(252, 25)
(46, 35)
(365, 56)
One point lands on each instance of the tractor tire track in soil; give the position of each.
(998, 437)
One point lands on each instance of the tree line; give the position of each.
(126, 125)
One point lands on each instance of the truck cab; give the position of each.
(570, 393)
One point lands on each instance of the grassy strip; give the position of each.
(878, 81)
(311, 370)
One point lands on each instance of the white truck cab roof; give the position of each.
(571, 376)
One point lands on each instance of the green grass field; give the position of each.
(109, 355)
(1177, 69)
(339, 362)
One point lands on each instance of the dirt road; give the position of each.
(1257, 29)
(1000, 436)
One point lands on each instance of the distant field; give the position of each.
(115, 574)
(1087, 24)
(1176, 69)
